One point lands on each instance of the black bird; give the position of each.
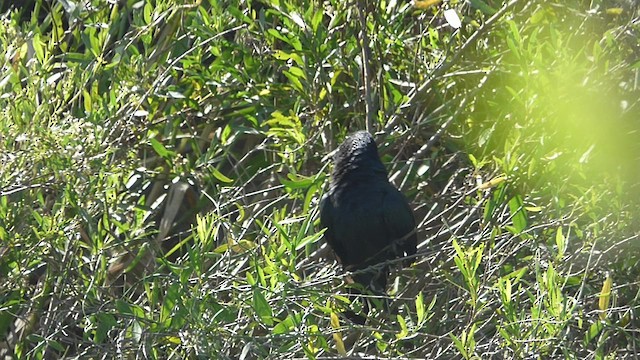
(368, 220)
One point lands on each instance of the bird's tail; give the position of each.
(367, 291)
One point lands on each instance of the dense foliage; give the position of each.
(161, 165)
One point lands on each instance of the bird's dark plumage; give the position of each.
(368, 220)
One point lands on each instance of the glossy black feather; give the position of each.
(368, 220)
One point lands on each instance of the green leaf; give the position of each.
(309, 239)
(560, 243)
(220, 176)
(483, 6)
(38, 48)
(420, 313)
(261, 307)
(275, 33)
(459, 345)
(297, 72)
(296, 182)
(239, 14)
(169, 300)
(86, 99)
(518, 214)
(285, 326)
(404, 331)
(148, 9)
(593, 332)
(104, 323)
(316, 20)
(250, 279)
(128, 309)
(295, 81)
(604, 298)
(281, 55)
(159, 148)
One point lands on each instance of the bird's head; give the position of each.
(358, 154)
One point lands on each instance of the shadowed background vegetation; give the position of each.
(161, 165)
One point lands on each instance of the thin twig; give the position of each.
(367, 79)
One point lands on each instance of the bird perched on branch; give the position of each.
(368, 221)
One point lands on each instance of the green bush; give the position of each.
(162, 164)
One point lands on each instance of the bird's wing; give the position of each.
(327, 212)
(398, 218)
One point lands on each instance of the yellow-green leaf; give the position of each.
(604, 298)
(337, 336)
